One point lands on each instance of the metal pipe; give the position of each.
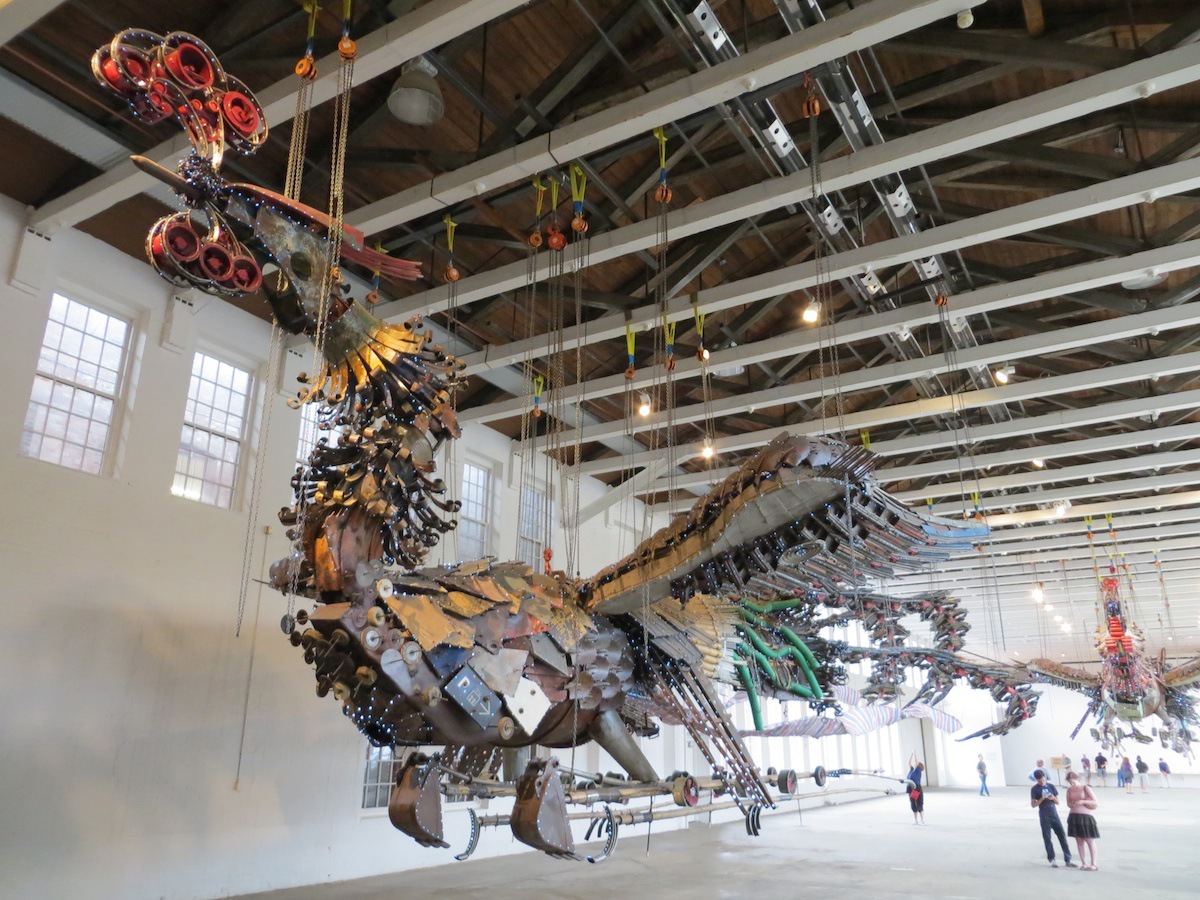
(609, 731)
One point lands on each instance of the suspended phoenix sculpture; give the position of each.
(489, 656)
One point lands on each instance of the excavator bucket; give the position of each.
(539, 817)
(415, 806)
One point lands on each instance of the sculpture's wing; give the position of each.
(1183, 675)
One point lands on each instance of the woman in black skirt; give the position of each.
(1081, 824)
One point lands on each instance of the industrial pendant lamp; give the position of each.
(416, 98)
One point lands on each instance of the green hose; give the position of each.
(774, 606)
(800, 690)
(751, 694)
(798, 650)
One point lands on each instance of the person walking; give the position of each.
(1102, 769)
(1126, 774)
(1143, 770)
(1164, 773)
(1086, 764)
(1081, 823)
(981, 768)
(1043, 797)
(916, 793)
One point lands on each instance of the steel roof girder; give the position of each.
(1159, 73)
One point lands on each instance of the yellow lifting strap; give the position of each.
(540, 187)
(553, 193)
(312, 7)
(669, 331)
(450, 226)
(539, 384)
(699, 316)
(865, 436)
(630, 340)
(661, 136)
(578, 182)
(379, 248)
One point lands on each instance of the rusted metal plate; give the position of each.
(537, 605)
(501, 671)
(569, 625)
(489, 628)
(423, 618)
(465, 605)
(548, 652)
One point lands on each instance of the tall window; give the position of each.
(214, 424)
(76, 386)
(308, 433)
(380, 774)
(311, 432)
(533, 529)
(475, 515)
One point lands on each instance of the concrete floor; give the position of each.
(973, 847)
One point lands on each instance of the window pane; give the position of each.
(209, 446)
(83, 353)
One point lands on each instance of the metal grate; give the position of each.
(76, 386)
(475, 515)
(213, 430)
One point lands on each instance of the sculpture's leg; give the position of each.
(610, 733)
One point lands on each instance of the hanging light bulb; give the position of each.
(1049, 608)
(1037, 593)
(1004, 373)
(644, 404)
(1060, 509)
(1058, 618)
(1066, 626)
(811, 313)
(1038, 462)
(707, 450)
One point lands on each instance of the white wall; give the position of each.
(1048, 734)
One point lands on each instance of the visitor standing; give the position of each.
(981, 768)
(1086, 764)
(1126, 774)
(1164, 773)
(1102, 769)
(1143, 770)
(1039, 767)
(1081, 823)
(916, 793)
(1043, 796)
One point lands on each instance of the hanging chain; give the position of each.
(270, 387)
(530, 410)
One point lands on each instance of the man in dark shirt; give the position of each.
(1102, 769)
(1044, 797)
